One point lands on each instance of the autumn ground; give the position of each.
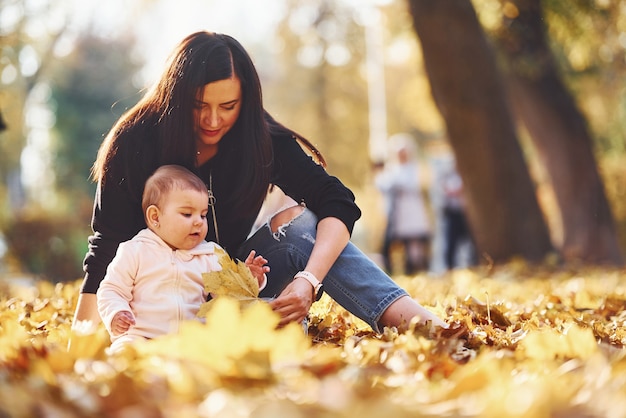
(522, 342)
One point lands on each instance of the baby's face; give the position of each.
(183, 223)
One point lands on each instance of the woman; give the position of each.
(206, 114)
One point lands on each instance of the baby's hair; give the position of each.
(165, 179)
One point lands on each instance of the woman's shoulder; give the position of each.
(134, 150)
(285, 145)
(283, 136)
(288, 144)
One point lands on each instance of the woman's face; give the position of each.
(216, 111)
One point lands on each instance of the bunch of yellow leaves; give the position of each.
(234, 343)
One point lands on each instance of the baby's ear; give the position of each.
(152, 216)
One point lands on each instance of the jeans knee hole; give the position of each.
(280, 232)
(283, 219)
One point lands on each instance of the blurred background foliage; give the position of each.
(61, 91)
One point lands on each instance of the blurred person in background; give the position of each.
(408, 223)
(454, 245)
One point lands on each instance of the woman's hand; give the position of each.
(294, 302)
(121, 322)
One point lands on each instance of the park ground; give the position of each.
(523, 342)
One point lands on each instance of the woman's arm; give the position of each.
(117, 217)
(296, 300)
(304, 180)
(332, 238)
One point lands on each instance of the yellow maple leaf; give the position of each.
(235, 280)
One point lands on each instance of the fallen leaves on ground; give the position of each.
(522, 342)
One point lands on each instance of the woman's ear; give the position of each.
(152, 216)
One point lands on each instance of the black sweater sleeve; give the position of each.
(304, 180)
(117, 214)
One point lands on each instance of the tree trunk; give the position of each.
(561, 137)
(501, 202)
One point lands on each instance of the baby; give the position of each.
(154, 282)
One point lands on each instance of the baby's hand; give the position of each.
(257, 266)
(121, 322)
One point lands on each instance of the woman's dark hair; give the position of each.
(163, 120)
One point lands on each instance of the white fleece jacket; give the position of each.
(161, 286)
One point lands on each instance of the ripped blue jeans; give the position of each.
(354, 282)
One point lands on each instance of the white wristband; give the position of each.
(310, 277)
